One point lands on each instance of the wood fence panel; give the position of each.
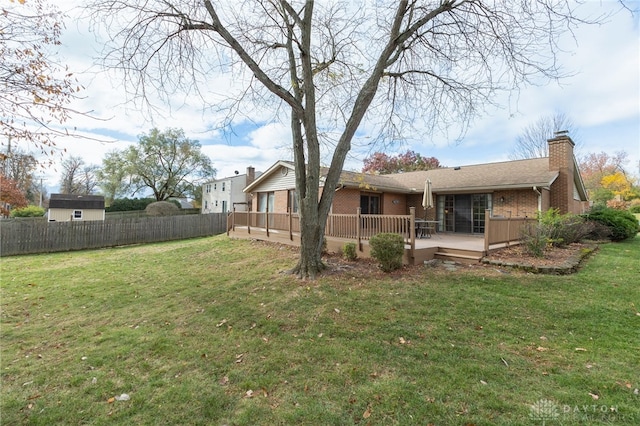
(19, 236)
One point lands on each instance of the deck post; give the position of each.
(487, 221)
(266, 219)
(290, 225)
(358, 224)
(412, 232)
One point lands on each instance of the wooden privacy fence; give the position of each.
(498, 230)
(28, 236)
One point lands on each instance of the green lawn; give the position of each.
(211, 332)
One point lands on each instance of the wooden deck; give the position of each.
(284, 228)
(446, 246)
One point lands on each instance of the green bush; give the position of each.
(564, 229)
(622, 224)
(554, 229)
(162, 208)
(349, 251)
(29, 211)
(635, 208)
(129, 204)
(388, 250)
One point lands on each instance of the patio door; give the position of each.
(463, 213)
(369, 203)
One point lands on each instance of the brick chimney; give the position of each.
(251, 175)
(561, 160)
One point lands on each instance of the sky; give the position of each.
(602, 97)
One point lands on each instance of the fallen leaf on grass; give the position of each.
(123, 397)
(541, 349)
(224, 381)
(249, 394)
(581, 350)
(366, 414)
(221, 323)
(239, 358)
(594, 396)
(336, 310)
(111, 400)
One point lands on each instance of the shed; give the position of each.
(69, 207)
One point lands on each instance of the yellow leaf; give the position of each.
(366, 414)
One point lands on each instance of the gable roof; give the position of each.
(517, 174)
(75, 201)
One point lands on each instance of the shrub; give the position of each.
(349, 251)
(162, 208)
(534, 238)
(29, 211)
(388, 250)
(129, 204)
(634, 206)
(622, 224)
(554, 229)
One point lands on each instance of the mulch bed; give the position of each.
(556, 260)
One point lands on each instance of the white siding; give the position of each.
(217, 199)
(277, 181)
(65, 215)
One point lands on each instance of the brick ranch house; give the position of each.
(461, 195)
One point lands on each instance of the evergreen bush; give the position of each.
(622, 224)
(388, 250)
(349, 251)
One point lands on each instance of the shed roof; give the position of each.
(76, 201)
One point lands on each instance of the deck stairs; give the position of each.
(459, 255)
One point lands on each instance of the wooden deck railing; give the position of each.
(498, 230)
(350, 226)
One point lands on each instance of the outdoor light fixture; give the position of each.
(502, 199)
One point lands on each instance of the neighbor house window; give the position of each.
(77, 214)
(293, 201)
(208, 188)
(215, 186)
(266, 200)
(223, 186)
(206, 205)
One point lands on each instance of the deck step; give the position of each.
(462, 257)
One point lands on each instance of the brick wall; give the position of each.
(346, 201)
(517, 203)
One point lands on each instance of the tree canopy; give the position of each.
(165, 162)
(410, 161)
(35, 91)
(397, 66)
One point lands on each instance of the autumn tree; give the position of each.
(396, 65)
(35, 91)
(11, 196)
(165, 162)
(532, 142)
(410, 161)
(595, 166)
(20, 167)
(77, 177)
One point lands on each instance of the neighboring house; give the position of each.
(461, 195)
(223, 195)
(69, 207)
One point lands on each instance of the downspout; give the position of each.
(535, 189)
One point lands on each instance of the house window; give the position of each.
(369, 203)
(206, 205)
(216, 203)
(293, 201)
(265, 201)
(223, 186)
(215, 186)
(77, 215)
(208, 189)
